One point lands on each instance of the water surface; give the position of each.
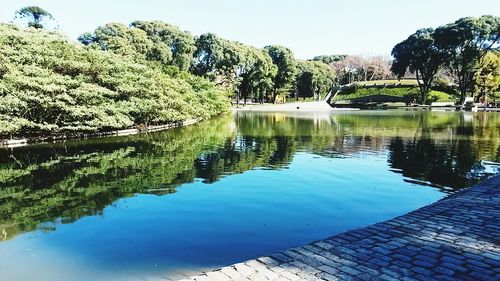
(171, 203)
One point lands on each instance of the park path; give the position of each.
(456, 238)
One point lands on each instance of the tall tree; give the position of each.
(181, 43)
(35, 16)
(466, 41)
(419, 54)
(208, 55)
(126, 41)
(282, 57)
(256, 72)
(314, 80)
(487, 77)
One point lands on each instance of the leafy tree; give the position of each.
(282, 57)
(256, 72)
(329, 59)
(487, 77)
(466, 41)
(208, 55)
(419, 54)
(123, 40)
(35, 16)
(314, 80)
(181, 43)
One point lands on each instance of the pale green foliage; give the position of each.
(487, 77)
(51, 85)
(155, 41)
(181, 43)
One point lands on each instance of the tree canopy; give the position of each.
(283, 58)
(487, 77)
(35, 16)
(50, 85)
(419, 54)
(315, 79)
(466, 41)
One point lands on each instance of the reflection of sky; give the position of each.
(239, 217)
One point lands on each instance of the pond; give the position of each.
(171, 203)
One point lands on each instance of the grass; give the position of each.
(393, 81)
(408, 93)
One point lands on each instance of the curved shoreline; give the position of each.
(456, 238)
(11, 143)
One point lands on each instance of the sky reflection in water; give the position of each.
(226, 190)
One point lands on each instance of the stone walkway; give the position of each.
(457, 238)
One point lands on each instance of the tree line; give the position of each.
(51, 85)
(464, 53)
(468, 49)
(249, 72)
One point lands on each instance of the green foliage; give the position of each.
(466, 41)
(407, 94)
(208, 55)
(460, 46)
(329, 59)
(180, 43)
(133, 43)
(53, 86)
(246, 70)
(256, 72)
(80, 178)
(354, 93)
(487, 77)
(283, 58)
(59, 183)
(35, 16)
(419, 54)
(438, 96)
(315, 79)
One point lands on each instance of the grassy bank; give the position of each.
(405, 94)
(51, 85)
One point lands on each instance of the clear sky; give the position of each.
(308, 27)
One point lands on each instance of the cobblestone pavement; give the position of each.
(457, 238)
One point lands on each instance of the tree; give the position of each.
(282, 57)
(466, 42)
(314, 80)
(346, 69)
(487, 76)
(132, 42)
(256, 72)
(419, 54)
(329, 59)
(181, 43)
(35, 16)
(208, 55)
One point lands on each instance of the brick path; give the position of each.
(457, 238)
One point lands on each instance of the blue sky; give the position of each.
(308, 27)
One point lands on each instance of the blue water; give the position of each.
(207, 224)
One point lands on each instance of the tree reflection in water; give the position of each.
(63, 182)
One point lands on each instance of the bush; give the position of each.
(50, 85)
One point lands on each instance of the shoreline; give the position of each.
(454, 238)
(13, 143)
